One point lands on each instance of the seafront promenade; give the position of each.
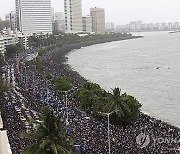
(31, 90)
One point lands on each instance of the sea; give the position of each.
(147, 68)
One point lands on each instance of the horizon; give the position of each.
(148, 12)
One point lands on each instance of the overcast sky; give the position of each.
(119, 11)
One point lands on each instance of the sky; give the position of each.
(119, 11)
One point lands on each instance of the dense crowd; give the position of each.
(31, 91)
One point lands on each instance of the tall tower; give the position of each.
(34, 16)
(73, 16)
(11, 18)
(98, 20)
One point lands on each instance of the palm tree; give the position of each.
(50, 137)
(111, 102)
(127, 107)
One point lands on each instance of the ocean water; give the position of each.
(147, 68)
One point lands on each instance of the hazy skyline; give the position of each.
(119, 11)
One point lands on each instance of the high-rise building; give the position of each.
(87, 24)
(156, 26)
(151, 26)
(163, 26)
(145, 26)
(170, 25)
(138, 25)
(98, 20)
(59, 23)
(34, 16)
(176, 25)
(110, 26)
(73, 16)
(11, 18)
(132, 25)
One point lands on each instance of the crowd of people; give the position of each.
(31, 90)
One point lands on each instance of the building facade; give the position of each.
(176, 25)
(2, 47)
(98, 20)
(59, 23)
(11, 18)
(10, 39)
(73, 16)
(34, 16)
(110, 26)
(87, 24)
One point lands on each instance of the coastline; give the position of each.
(27, 100)
(60, 55)
(60, 58)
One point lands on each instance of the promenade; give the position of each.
(31, 90)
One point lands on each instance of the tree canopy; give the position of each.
(13, 49)
(93, 98)
(62, 84)
(50, 137)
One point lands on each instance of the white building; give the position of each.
(10, 39)
(145, 26)
(87, 24)
(176, 25)
(138, 25)
(59, 23)
(98, 20)
(170, 25)
(2, 47)
(73, 16)
(34, 16)
(109, 25)
(163, 26)
(157, 26)
(151, 26)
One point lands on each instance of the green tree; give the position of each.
(62, 84)
(89, 95)
(92, 98)
(127, 107)
(13, 49)
(134, 107)
(50, 137)
(112, 102)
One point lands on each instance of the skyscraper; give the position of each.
(98, 20)
(73, 16)
(59, 24)
(11, 18)
(34, 16)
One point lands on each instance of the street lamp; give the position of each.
(108, 114)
